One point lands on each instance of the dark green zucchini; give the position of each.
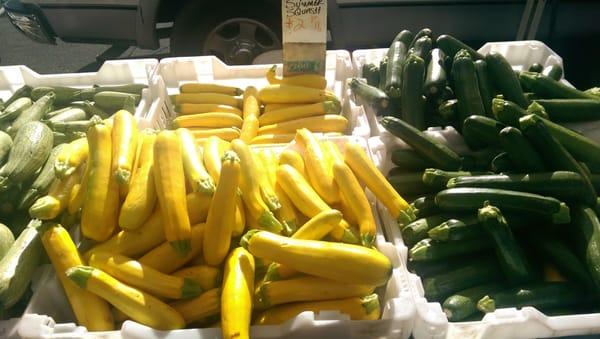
(485, 86)
(442, 156)
(422, 48)
(470, 199)
(393, 78)
(480, 160)
(406, 37)
(382, 72)
(570, 110)
(409, 160)
(466, 88)
(553, 71)
(33, 113)
(481, 132)
(369, 94)
(510, 255)
(546, 87)
(428, 249)
(410, 184)
(371, 73)
(520, 151)
(448, 110)
(502, 164)
(13, 110)
(535, 67)
(435, 76)
(64, 95)
(586, 229)
(425, 206)
(463, 304)
(450, 45)
(445, 284)
(413, 102)
(539, 295)
(417, 230)
(22, 92)
(455, 229)
(439, 178)
(429, 268)
(504, 79)
(129, 88)
(508, 112)
(90, 108)
(425, 32)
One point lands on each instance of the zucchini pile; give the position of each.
(40, 128)
(441, 81)
(512, 225)
(269, 115)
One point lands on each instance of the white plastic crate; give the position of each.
(114, 72)
(49, 316)
(520, 54)
(430, 320)
(172, 72)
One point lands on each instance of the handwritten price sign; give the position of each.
(304, 21)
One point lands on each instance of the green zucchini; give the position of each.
(417, 230)
(510, 255)
(586, 227)
(74, 126)
(90, 109)
(33, 113)
(7, 238)
(393, 79)
(32, 146)
(2, 105)
(481, 132)
(370, 95)
(553, 71)
(72, 114)
(429, 268)
(442, 156)
(451, 46)
(535, 67)
(129, 88)
(442, 285)
(439, 178)
(463, 304)
(371, 73)
(594, 91)
(428, 249)
(113, 101)
(508, 112)
(57, 112)
(485, 86)
(18, 265)
(129, 105)
(502, 163)
(539, 295)
(521, 153)
(409, 160)
(554, 250)
(466, 87)
(422, 47)
(504, 79)
(554, 154)
(480, 160)
(382, 72)
(425, 206)
(413, 102)
(570, 110)
(13, 110)
(425, 32)
(470, 199)
(64, 95)
(448, 109)
(435, 76)
(406, 37)
(42, 182)
(24, 91)
(463, 228)
(546, 87)
(6, 144)
(410, 184)
(531, 96)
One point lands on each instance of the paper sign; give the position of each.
(304, 27)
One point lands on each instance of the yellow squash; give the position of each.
(251, 193)
(306, 288)
(200, 308)
(251, 104)
(185, 109)
(249, 129)
(299, 112)
(141, 198)
(357, 200)
(208, 277)
(213, 150)
(165, 259)
(305, 80)
(322, 123)
(145, 278)
(90, 310)
(100, 212)
(273, 138)
(209, 88)
(56, 201)
(139, 306)
(207, 120)
(221, 215)
(169, 179)
(78, 192)
(193, 167)
(288, 94)
(272, 107)
(366, 172)
(227, 134)
(208, 98)
(365, 308)
(124, 136)
(345, 263)
(264, 182)
(151, 234)
(71, 157)
(237, 294)
(294, 159)
(316, 166)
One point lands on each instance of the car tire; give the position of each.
(236, 34)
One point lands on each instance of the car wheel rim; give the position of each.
(238, 41)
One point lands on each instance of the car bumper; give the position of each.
(29, 21)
